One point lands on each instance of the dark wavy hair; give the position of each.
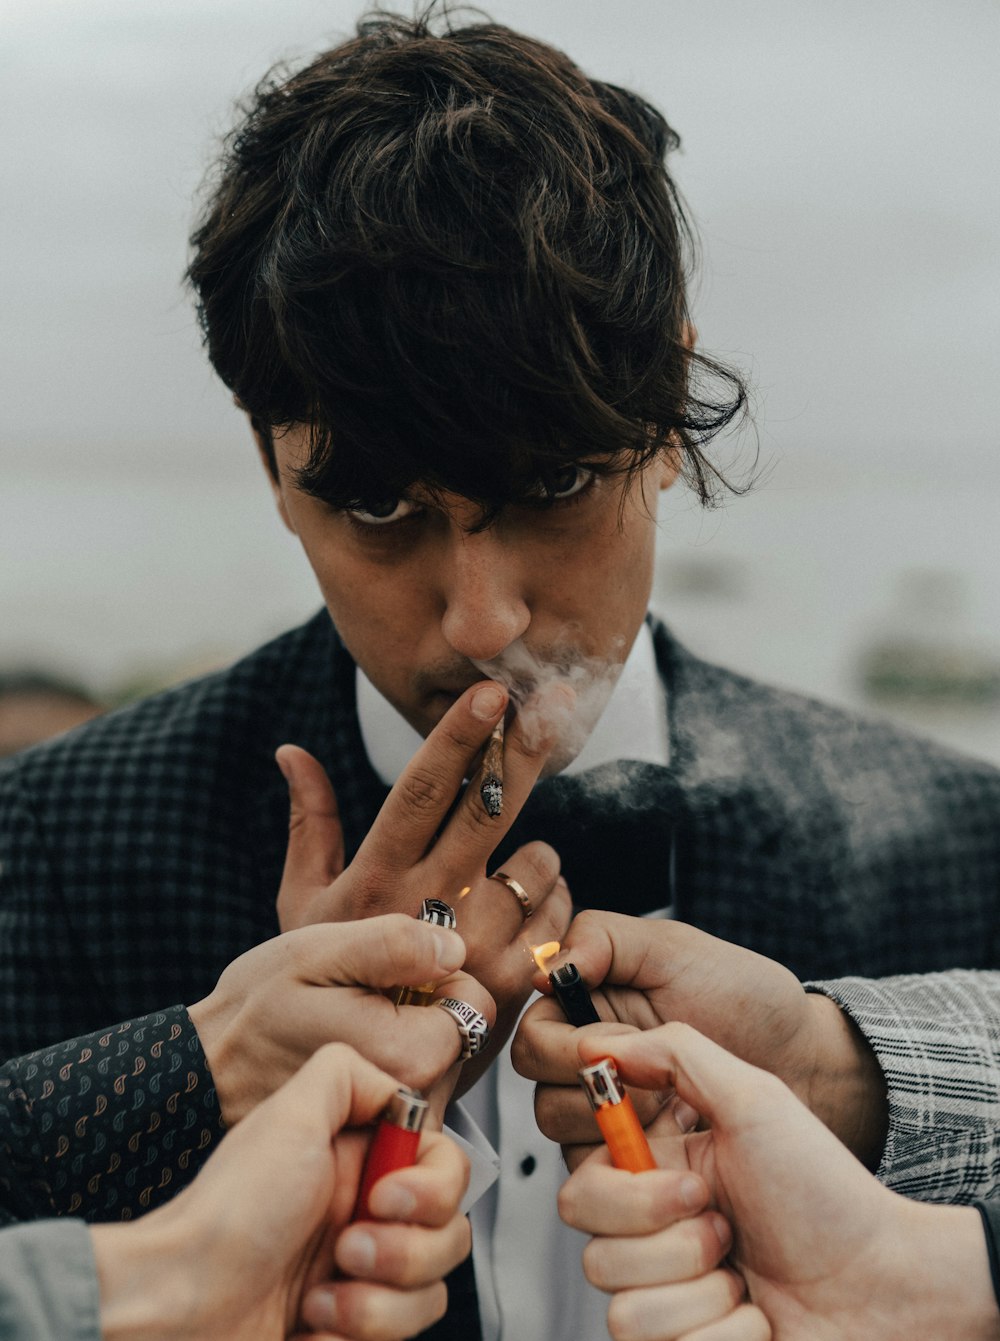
(462, 262)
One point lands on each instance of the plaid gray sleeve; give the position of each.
(937, 1039)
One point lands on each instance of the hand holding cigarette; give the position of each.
(424, 845)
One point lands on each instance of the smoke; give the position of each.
(560, 693)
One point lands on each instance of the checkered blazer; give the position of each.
(143, 852)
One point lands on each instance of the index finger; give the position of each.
(428, 1192)
(545, 1045)
(472, 829)
(426, 789)
(614, 948)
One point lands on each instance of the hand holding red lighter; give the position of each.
(394, 1145)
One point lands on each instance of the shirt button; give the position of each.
(528, 1165)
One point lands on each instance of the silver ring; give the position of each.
(517, 890)
(471, 1023)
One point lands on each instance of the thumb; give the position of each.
(718, 1085)
(315, 855)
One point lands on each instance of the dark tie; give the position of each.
(613, 827)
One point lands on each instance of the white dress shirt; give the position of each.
(529, 1275)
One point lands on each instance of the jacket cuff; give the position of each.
(936, 1037)
(112, 1124)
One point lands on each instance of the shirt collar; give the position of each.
(633, 724)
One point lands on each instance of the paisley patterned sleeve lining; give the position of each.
(109, 1125)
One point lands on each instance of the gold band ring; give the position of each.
(517, 890)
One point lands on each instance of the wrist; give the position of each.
(845, 1085)
(147, 1277)
(945, 1278)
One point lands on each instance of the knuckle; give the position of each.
(551, 1113)
(334, 1058)
(567, 1203)
(530, 738)
(421, 790)
(357, 1313)
(587, 923)
(435, 1299)
(621, 1317)
(527, 1057)
(755, 1325)
(476, 817)
(401, 942)
(708, 1251)
(595, 1264)
(734, 1285)
(542, 862)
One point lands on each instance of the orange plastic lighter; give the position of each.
(616, 1117)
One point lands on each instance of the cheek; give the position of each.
(376, 611)
(621, 568)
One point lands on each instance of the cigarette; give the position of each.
(491, 787)
(394, 1145)
(439, 914)
(616, 1117)
(571, 993)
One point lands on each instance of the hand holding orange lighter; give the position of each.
(394, 1145)
(616, 1117)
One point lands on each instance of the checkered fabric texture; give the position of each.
(143, 852)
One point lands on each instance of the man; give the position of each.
(444, 276)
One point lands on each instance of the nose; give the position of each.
(484, 597)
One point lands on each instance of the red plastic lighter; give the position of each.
(394, 1145)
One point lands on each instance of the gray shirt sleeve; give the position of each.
(48, 1282)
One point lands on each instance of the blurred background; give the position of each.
(841, 162)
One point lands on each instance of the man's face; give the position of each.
(419, 600)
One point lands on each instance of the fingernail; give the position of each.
(685, 1116)
(286, 772)
(692, 1192)
(449, 949)
(487, 703)
(319, 1310)
(722, 1230)
(356, 1252)
(393, 1202)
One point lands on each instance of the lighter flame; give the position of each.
(544, 954)
(462, 892)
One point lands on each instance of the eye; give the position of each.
(381, 513)
(563, 483)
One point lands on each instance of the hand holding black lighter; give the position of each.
(569, 990)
